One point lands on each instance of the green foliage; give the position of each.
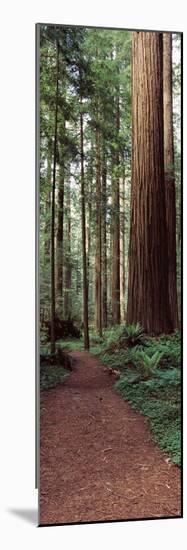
(160, 400)
(73, 344)
(146, 365)
(151, 381)
(168, 346)
(111, 336)
(51, 376)
(132, 334)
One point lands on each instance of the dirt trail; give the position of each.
(98, 458)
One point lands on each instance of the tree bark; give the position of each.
(148, 299)
(116, 230)
(122, 247)
(53, 208)
(48, 208)
(89, 222)
(67, 277)
(98, 311)
(104, 240)
(59, 242)
(170, 175)
(85, 283)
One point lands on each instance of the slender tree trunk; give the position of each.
(148, 300)
(98, 312)
(59, 242)
(78, 277)
(110, 247)
(104, 239)
(116, 231)
(48, 207)
(85, 284)
(89, 231)
(67, 278)
(170, 174)
(53, 209)
(122, 246)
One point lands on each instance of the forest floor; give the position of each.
(98, 460)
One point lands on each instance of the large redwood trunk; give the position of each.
(170, 175)
(148, 299)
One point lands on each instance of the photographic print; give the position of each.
(109, 269)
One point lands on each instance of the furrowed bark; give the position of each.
(148, 300)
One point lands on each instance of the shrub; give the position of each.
(169, 346)
(146, 365)
(51, 376)
(158, 398)
(132, 334)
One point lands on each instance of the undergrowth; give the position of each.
(151, 381)
(158, 398)
(71, 344)
(51, 376)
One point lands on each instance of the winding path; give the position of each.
(98, 460)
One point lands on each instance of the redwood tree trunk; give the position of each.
(122, 246)
(148, 299)
(170, 174)
(85, 283)
(104, 239)
(67, 277)
(53, 209)
(48, 208)
(116, 232)
(59, 242)
(89, 223)
(98, 311)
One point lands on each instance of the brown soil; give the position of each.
(98, 460)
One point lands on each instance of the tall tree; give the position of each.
(148, 300)
(48, 205)
(53, 207)
(116, 214)
(98, 252)
(170, 174)
(122, 246)
(83, 221)
(67, 277)
(104, 238)
(59, 241)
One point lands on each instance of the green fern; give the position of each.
(146, 364)
(132, 334)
